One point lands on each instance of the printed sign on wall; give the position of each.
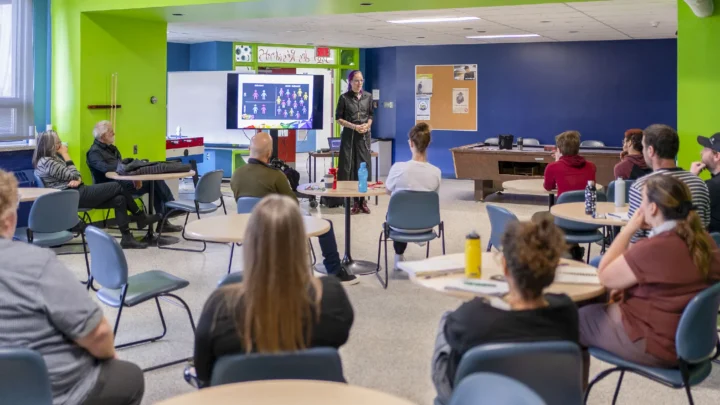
(276, 54)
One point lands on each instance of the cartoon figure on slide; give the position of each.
(304, 110)
(283, 104)
(263, 109)
(282, 92)
(278, 100)
(302, 102)
(294, 96)
(255, 109)
(297, 114)
(285, 113)
(295, 105)
(305, 96)
(279, 110)
(291, 111)
(263, 95)
(255, 95)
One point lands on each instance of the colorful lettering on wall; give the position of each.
(306, 56)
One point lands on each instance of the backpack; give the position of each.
(292, 175)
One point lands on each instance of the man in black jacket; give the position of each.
(103, 157)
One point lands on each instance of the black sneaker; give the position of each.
(346, 278)
(144, 220)
(128, 242)
(169, 227)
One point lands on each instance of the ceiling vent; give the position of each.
(701, 8)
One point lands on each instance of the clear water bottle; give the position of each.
(520, 143)
(590, 199)
(362, 178)
(620, 192)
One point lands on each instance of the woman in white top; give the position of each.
(414, 175)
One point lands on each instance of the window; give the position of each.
(16, 69)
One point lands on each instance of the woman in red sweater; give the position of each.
(570, 171)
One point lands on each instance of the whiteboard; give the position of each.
(197, 102)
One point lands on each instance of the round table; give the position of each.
(284, 392)
(231, 228)
(533, 187)
(576, 212)
(346, 190)
(492, 266)
(28, 194)
(150, 238)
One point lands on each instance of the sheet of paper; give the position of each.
(376, 94)
(434, 267)
(623, 216)
(577, 275)
(480, 287)
(422, 108)
(461, 103)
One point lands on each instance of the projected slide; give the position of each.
(274, 101)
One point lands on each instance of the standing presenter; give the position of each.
(354, 113)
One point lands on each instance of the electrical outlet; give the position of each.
(134, 149)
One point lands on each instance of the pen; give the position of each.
(476, 284)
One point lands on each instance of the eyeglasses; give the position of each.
(358, 81)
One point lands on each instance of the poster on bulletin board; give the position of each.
(451, 90)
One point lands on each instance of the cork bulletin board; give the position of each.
(446, 96)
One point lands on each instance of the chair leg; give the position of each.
(149, 340)
(232, 250)
(588, 253)
(222, 202)
(312, 253)
(89, 280)
(597, 379)
(187, 217)
(617, 388)
(442, 234)
(192, 325)
(427, 250)
(384, 283)
(686, 381)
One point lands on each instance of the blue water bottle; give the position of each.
(362, 178)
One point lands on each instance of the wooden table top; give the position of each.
(531, 187)
(576, 212)
(532, 149)
(150, 177)
(285, 392)
(231, 228)
(344, 189)
(333, 154)
(492, 266)
(28, 194)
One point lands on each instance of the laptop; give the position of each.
(334, 144)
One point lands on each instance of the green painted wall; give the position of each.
(698, 79)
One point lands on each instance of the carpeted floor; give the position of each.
(392, 339)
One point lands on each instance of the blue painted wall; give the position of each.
(535, 90)
(42, 58)
(205, 56)
(178, 57)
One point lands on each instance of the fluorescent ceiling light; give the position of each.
(433, 20)
(503, 36)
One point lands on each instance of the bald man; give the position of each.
(257, 179)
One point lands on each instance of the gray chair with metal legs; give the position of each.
(245, 205)
(85, 217)
(552, 369)
(412, 217)
(493, 389)
(592, 144)
(207, 192)
(109, 268)
(51, 217)
(499, 219)
(320, 364)
(24, 378)
(696, 343)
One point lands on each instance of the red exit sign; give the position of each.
(322, 52)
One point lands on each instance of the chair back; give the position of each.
(531, 142)
(592, 144)
(232, 278)
(208, 187)
(574, 226)
(552, 369)
(245, 205)
(499, 219)
(54, 212)
(493, 389)
(38, 180)
(611, 190)
(414, 210)
(321, 363)
(697, 337)
(24, 378)
(716, 237)
(107, 265)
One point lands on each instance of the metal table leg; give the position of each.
(360, 267)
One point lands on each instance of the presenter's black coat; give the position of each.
(354, 146)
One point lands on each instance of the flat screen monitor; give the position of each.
(274, 101)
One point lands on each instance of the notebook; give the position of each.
(478, 287)
(623, 216)
(450, 264)
(577, 275)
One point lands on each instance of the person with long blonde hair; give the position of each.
(652, 283)
(279, 306)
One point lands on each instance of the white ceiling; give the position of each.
(587, 21)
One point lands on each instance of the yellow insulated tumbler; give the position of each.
(473, 256)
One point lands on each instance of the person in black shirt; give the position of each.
(710, 160)
(279, 306)
(531, 253)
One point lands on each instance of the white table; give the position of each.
(576, 212)
(346, 190)
(533, 187)
(231, 228)
(29, 194)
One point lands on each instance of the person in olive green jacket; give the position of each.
(258, 179)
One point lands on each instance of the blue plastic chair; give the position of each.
(592, 144)
(499, 219)
(493, 389)
(716, 237)
(207, 191)
(51, 217)
(696, 340)
(578, 232)
(85, 217)
(611, 190)
(231, 278)
(110, 269)
(245, 205)
(24, 378)
(552, 369)
(412, 217)
(320, 364)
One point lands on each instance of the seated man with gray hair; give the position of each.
(103, 157)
